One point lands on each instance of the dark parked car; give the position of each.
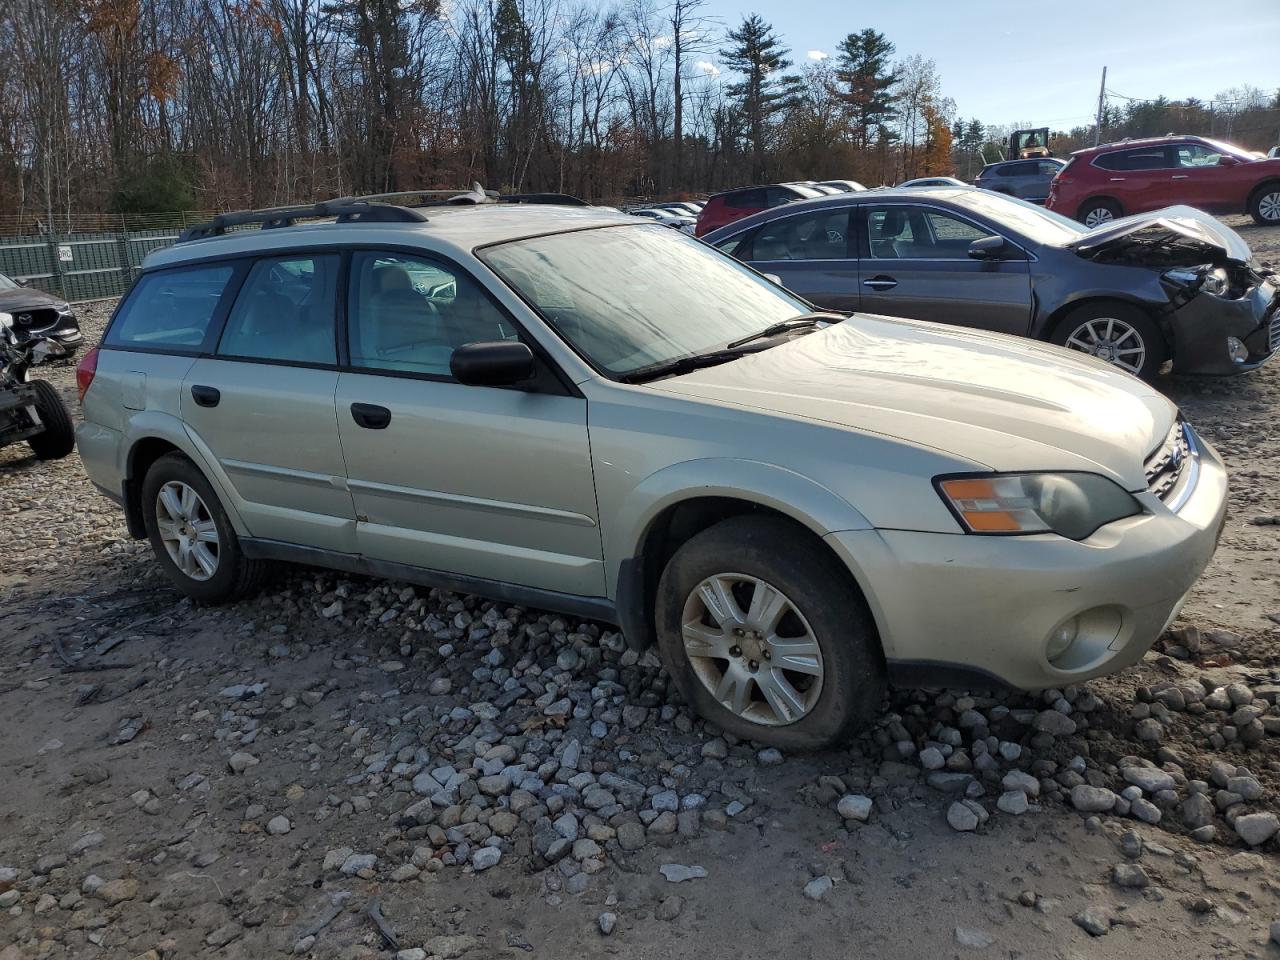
(36, 312)
(1137, 292)
(733, 205)
(1135, 176)
(1025, 179)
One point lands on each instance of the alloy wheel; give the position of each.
(752, 648)
(1269, 207)
(187, 530)
(1111, 340)
(1098, 216)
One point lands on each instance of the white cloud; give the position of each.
(707, 67)
(817, 55)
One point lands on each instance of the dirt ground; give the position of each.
(269, 778)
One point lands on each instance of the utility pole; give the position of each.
(1102, 102)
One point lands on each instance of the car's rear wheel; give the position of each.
(1096, 212)
(766, 637)
(192, 536)
(1118, 333)
(1264, 205)
(58, 438)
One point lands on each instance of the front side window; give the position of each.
(285, 311)
(628, 297)
(901, 232)
(170, 309)
(1196, 155)
(821, 235)
(408, 314)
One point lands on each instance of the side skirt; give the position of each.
(594, 608)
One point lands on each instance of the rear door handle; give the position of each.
(1118, 179)
(880, 283)
(205, 396)
(370, 416)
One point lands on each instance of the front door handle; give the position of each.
(205, 396)
(1181, 176)
(880, 283)
(1118, 179)
(370, 416)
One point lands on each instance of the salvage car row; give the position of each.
(762, 488)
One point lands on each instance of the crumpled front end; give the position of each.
(1223, 319)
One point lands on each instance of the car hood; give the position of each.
(26, 298)
(1173, 237)
(1001, 402)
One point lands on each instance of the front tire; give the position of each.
(1096, 212)
(192, 536)
(766, 638)
(1118, 333)
(1264, 205)
(58, 438)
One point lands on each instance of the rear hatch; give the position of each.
(1173, 237)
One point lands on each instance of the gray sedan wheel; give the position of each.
(766, 636)
(1117, 333)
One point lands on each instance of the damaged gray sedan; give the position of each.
(1175, 285)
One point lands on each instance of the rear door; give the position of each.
(810, 253)
(914, 262)
(263, 405)
(1141, 179)
(482, 482)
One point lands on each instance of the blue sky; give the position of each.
(1041, 62)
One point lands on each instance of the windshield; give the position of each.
(1031, 221)
(629, 297)
(1230, 149)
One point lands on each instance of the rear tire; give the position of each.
(1264, 205)
(782, 600)
(1096, 212)
(59, 436)
(1108, 330)
(192, 536)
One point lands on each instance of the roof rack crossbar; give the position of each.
(345, 209)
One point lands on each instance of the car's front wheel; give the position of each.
(1118, 333)
(192, 536)
(1264, 205)
(766, 637)
(1096, 212)
(58, 438)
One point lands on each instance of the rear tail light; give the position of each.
(85, 370)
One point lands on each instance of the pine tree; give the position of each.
(862, 68)
(758, 55)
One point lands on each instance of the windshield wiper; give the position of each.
(782, 326)
(669, 368)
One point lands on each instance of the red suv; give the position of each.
(735, 204)
(1135, 176)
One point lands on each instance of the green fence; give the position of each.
(81, 266)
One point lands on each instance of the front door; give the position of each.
(262, 406)
(1201, 180)
(810, 254)
(481, 482)
(915, 263)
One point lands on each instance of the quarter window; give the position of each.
(821, 235)
(285, 311)
(409, 314)
(170, 308)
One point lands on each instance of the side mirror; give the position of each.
(1227, 160)
(988, 248)
(498, 363)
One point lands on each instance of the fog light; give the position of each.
(1236, 350)
(1062, 639)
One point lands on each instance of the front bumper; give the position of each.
(1200, 328)
(951, 606)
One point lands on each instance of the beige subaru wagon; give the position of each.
(568, 409)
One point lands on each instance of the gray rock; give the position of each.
(1257, 828)
(961, 817)
(278, 826)
(715, 749)
(1094, 920)
(1197, 811)
(1131, 876)
(357, 862)
(977, 939)
(631, 836)
(1023, 781)
(484, 858)
(679, 873)
(931, 758)
(1013, 802)
(769, 757)
(1088, 799)
(855, 807)
(1145, 810)
(818, 887)
(1275, 932)
(239, 762)
(669, 908)
(494, 786)
(1054, 723)
(607, 922)
(1149, 779)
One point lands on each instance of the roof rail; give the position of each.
(345, 209)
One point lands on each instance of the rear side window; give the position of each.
(745, 200)
(170, 309)
(821, 235)
(285, 311)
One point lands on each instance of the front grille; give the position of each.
(1273, 332)
(1167, 467)
(36, 318)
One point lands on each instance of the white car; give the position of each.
(579, 411)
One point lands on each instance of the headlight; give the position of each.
(1072, 505)
(63, 308)
(1213, 280)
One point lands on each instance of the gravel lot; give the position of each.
(344, 762)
